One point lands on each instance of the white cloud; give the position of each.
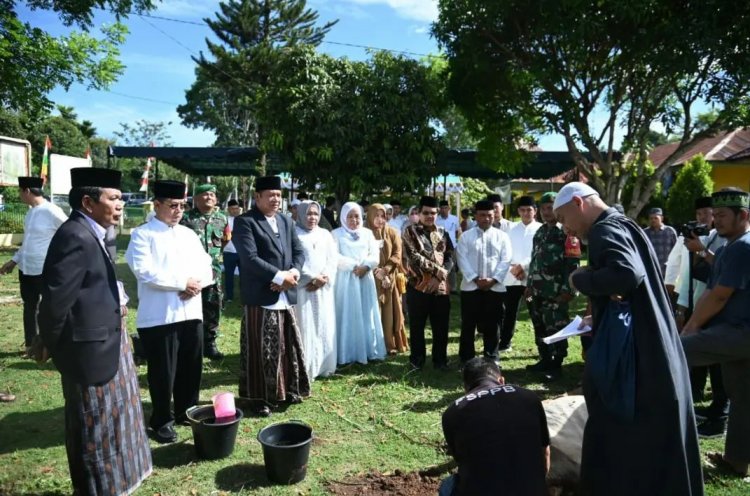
(421, 10)
(422, 29)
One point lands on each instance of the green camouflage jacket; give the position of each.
(211, 228)
(549, 268)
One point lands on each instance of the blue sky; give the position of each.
(159, 68)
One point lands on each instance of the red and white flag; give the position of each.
(186, 186)
(88, 156)
(144, 177)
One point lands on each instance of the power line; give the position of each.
(134, 97)
(338, 43)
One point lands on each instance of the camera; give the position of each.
(693, 229)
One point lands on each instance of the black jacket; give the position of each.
(79, 316)
(262, 253)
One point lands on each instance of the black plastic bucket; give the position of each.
(213, 440)
(286, 448)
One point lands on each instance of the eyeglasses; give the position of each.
(175, 206)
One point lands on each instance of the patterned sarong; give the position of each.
(272, 362)
(105, 434)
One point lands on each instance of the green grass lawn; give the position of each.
(376, 417)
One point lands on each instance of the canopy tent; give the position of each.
(241, 161)
(234, 161)
(541, 165)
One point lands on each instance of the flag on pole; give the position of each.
(45, 159)
(88, 156)
(186, 186)
(144, 177)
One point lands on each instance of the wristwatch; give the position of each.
(702, 253)
(679, 313)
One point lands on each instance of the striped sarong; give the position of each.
(105, 434)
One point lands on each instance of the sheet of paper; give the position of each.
(568, 331)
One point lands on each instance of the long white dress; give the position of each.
(315, 310)
(360, 330)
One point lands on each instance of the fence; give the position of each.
(11, 217)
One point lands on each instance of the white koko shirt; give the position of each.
(522, 241)
(39, 225)
(163, 258)
(483, 254)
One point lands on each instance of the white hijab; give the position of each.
(348, 207)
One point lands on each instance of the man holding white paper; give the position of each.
(624, 266)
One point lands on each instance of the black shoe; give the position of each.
(293, 399)
(505, 347)
(540, 366)
(553, 374)
(709, 429)
(164, 435)
(182, 420)
(443, 367)
(212, 352)
(416, 365)
(710, 412)
(261, 411)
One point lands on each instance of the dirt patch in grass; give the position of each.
(397, 483)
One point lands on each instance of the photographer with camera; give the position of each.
(700, 244)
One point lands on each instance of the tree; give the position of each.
(143, 133)
(693, 181)
(354, 126)
(520, 68)
(13, 124)
(230, 86)
(35, 62)
(65, 136)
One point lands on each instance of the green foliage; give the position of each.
(474, 190)
(13, 124)
(65, 136)
(35, 62)
(230, 86)
(358, 127)
(140, 133)
(518, 69)
(693, 181)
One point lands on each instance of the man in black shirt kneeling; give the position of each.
(498, 435)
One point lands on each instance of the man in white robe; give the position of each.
(172, 268)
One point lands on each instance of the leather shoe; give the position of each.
(293, 399)
(540, 366)
(553, 375)
(164, 435)
(261, 411)
(212, 352)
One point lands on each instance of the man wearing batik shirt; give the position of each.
(662, 237)
(428, 259)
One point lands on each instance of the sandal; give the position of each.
(7, 398)
(716, 460)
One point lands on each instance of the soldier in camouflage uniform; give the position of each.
(549, 290)
(211, 226)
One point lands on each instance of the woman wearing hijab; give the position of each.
(315, 309)
(360, 332)
(412, 218)
(389, 298)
